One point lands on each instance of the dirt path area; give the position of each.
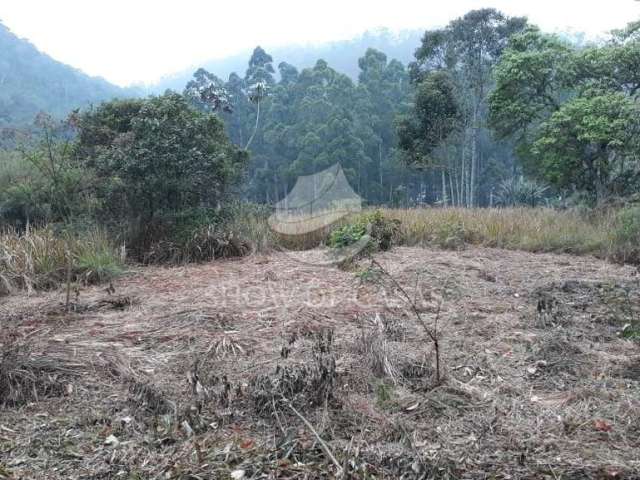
(212, 371)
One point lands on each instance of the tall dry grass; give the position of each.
(611, 234)
(602, 234)
(40, 259)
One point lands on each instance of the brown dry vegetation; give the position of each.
(204, 371)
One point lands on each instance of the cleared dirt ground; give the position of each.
(213, 371)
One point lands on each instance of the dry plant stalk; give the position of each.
(68, 296)
(323, 444)
(432, 332)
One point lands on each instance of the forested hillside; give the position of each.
(436, 131)
(31, 81)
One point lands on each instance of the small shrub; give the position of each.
(368, 275)
(384, 396)
(347, 235)
(515, 192)
(631, 332)
(382, 231)
(450, 236)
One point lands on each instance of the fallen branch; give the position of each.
(323, 444)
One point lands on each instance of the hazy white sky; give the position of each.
(128, 41)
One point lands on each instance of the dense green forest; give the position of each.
(313, 118)
(397, 146)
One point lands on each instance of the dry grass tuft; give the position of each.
(39, 259)
(308, 385)
(147, 397)
(29, 377)
(373, 346)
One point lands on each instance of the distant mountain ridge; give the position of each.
(340, 55)
(32, 81)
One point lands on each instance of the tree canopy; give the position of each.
(156, 155)
(574, 113)
(452, 76)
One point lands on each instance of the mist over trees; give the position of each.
(342, 55)
(456, 64)
(31, 81)
(573, 112)
(308, 120)
(397, 143)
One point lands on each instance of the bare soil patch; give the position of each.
(265, 367)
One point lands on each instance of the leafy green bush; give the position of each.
(631, 332)
(43, 183)
(347, 235)
(156, 156)
(384, 231)
(381, 230)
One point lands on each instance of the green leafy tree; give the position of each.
(258, 80)
(207, 92)
(288, 74)
(585, 143)
(382, 94)
(573, 112)
(435, 117)
(533, 77)
(313, 118)
(157, 155)
(468, 49)
(41, 181)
